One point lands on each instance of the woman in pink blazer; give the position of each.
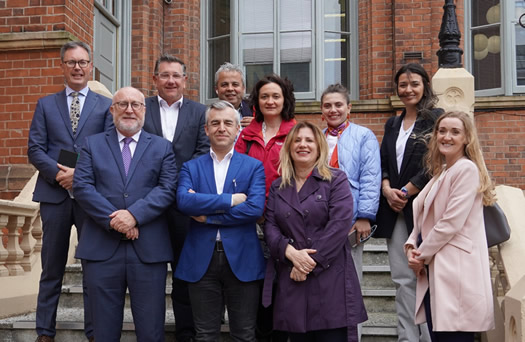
(447, 248)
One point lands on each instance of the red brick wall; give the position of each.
(146, 42)
(502, 135)
(28, 74)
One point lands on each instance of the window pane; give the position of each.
(295, 15)
(296, 58)
(485, 12)
(486, 50)
(335, 16)
(336, 59)
(219, 53)
(257, 48)
(254, 73)
(257, 16)
(219, 17)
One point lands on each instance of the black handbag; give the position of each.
(496, 225)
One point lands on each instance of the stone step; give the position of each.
(70, 327)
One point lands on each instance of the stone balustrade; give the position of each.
(21, 237)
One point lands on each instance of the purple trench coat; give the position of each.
(318, 217)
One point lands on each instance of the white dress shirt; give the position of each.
(132, 144)
(220, 169)
(169, 115)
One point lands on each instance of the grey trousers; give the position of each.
(357, 256)
(405, 281)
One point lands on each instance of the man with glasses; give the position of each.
(181, 121)
(60, 124)
(125, 180)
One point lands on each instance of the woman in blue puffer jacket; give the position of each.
(355, 150)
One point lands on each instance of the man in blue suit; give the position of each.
(230, 86)
(125, 180)
(224, 193)
(181, 121)
(61, 122)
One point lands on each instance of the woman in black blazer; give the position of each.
(403, 176)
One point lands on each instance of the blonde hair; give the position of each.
(286, 167)
(434, 160)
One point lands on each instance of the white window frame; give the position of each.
(316, 66)
(509, 82)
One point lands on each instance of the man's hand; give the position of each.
(246, 120)
(238, 199)
(64, 176)
(363, 229)
(122, 221)
(201, 219)
(133, 233)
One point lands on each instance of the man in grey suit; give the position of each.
(181, 121)
(60, 124)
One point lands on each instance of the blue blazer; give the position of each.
(100, 186)
(190, 139)
(51, 131)
(236, 224)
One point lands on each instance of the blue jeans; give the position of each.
(241, 299)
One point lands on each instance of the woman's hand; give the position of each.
(396, 198)
(301, 258)
(297, 275)
(416, 265)
(363, 229)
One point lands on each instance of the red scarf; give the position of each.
(336, 132)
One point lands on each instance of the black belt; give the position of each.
(218, 246)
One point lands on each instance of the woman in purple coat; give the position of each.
(308, 218)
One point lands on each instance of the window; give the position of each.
(312, 42)
(498, 64)
(112, 43)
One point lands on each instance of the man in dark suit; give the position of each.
(125, 180)
(224, 193)
(61, 122)
(181, 121)
(230, 86)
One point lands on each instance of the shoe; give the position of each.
(44, 338)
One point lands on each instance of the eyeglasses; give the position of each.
(166, 76)
(123, 105)
(82, 63)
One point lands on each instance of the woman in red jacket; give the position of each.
(274, 103)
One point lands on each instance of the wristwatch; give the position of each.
(405, 192)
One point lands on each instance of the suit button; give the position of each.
(306, 212)
(287, 214)
(126, 195)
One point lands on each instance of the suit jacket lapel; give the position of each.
(230, 184)
(391, 143)
(114, 146)
(89, 105)
(153, 109)
(142, 145)
(61, 101)
(210, 180)
(310, 186)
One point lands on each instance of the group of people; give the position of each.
(253, 210)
